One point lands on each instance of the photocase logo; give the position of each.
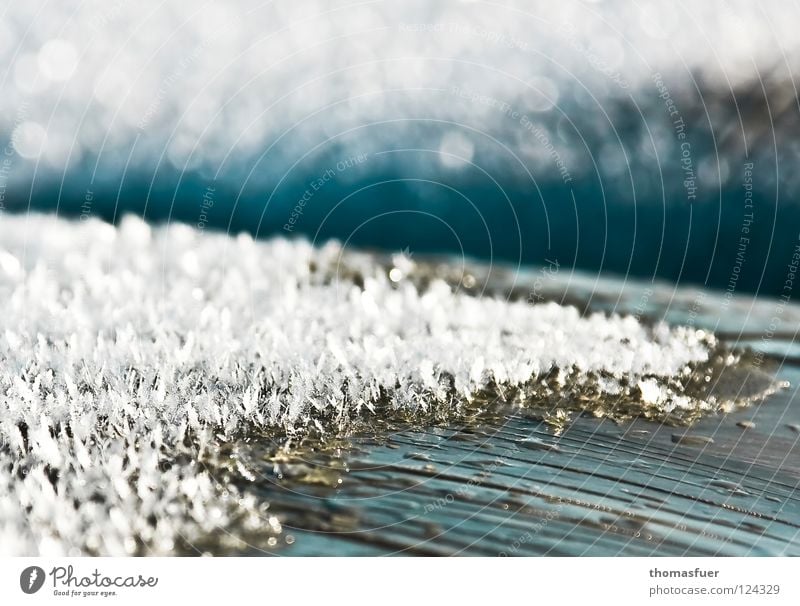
(31, 579)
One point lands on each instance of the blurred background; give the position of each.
(627, 138)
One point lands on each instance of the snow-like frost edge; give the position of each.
(129, 354)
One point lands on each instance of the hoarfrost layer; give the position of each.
(128, 354)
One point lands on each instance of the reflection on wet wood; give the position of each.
(514, 488)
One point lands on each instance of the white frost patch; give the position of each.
(120, 345)
(651, 391)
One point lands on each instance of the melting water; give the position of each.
(506, 485)
(512, 488)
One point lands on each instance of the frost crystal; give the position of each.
(128, 353)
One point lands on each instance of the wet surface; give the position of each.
(517, 489)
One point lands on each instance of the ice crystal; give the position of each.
(128, 354)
